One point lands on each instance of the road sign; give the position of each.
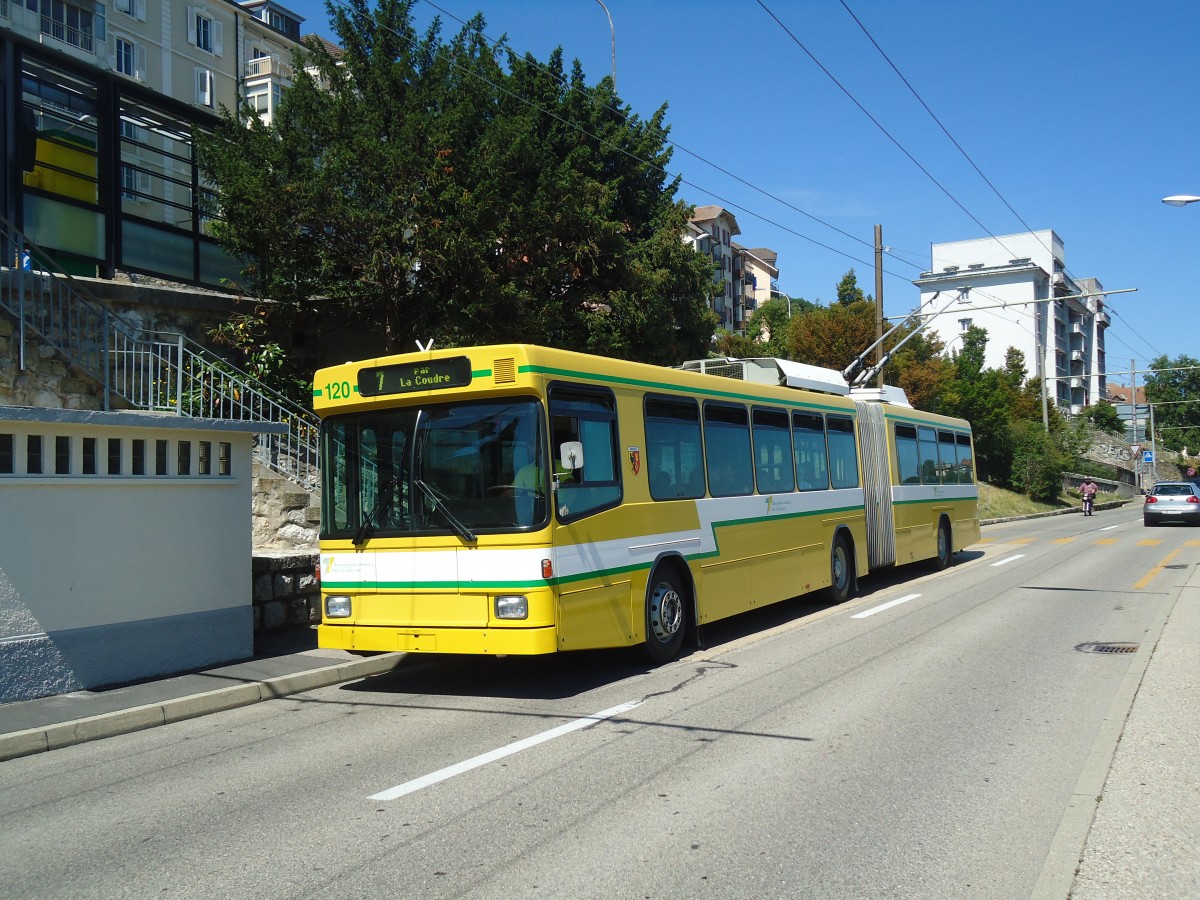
(1148, 456)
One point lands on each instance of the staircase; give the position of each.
(146, 371)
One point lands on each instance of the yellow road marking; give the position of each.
(1150, 575)
(1106, 541)
(1149, 542)
(1191, 543)
(1021, 541)
(1065, 540)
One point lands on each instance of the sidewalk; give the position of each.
(283, 664)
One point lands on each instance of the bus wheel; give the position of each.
(666, 617)
(840, 574)
(944, 553)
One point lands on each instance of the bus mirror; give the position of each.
(570, 454)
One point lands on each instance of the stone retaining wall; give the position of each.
(287, 593)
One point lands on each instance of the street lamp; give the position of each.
(1180, 200)
(613, 32)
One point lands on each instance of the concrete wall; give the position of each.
(113, 576)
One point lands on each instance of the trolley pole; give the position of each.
(879, 304)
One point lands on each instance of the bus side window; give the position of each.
(812, 460)
(843, 453)
(908, 463)
(947, 464)
(674, 452)
(773, 458)
(966, 467)
(727, 449)
(589, 416)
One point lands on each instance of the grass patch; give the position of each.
(997, 503)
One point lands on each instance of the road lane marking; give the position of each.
(1024, 540)
(1007, 560)
(1109, 527)
(500, 753)
(1065, 540)
(1149, 542)
(1162, 565)
(1105, 542)
(883, 606)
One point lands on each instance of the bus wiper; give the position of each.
(378, 511)
(440, 502)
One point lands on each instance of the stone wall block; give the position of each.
(284, 584)
(262, 588)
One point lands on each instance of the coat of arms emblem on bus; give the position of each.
(635, 459)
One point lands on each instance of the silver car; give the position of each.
(1172, 501)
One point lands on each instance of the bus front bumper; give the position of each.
(481, 641)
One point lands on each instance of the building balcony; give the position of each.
(268, 67)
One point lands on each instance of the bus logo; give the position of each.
(635, 459)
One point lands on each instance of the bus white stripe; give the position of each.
(500, 753)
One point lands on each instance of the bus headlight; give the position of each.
(337, 606)
(512, 606)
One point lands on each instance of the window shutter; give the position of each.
(191, 25)
(139, 62)
(218, 29)
(139, 10)
(204, 87)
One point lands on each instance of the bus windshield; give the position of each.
(454, 468)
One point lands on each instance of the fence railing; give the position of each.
(151, 371)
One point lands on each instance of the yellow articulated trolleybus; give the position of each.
(518, 499)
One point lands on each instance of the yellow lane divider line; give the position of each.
(1162, 565)
(1104, 542)
(1066, 540)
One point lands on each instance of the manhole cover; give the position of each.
(1107, 647)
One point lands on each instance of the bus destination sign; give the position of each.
(405, 378)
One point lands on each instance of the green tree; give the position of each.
(1174, 389)
(416, 188)
(848, 291)
(1038, 462)
(768, 325)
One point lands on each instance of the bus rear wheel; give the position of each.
(841, 576)
(944, 553)
(666, 617)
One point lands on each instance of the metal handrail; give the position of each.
(156, 371)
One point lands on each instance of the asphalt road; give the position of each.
(922, 740)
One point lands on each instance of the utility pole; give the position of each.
(879, 303)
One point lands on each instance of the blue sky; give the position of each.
(1083, 114)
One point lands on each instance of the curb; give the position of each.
(138, 718)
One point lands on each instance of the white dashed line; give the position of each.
(516, 747)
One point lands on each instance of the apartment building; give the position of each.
(744, 277)
(1018, 289)
(100, 103)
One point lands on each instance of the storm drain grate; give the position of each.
(1106, 647)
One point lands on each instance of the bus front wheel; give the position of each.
(666, 617)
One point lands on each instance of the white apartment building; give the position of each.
(1017, 288)
(744, 276)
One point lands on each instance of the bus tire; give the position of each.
(841, 571)
(945, 552)
(666, 616)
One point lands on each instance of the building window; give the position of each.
(71, 23)
(62, 455)
(204, 88)
(130, 59)
(135, 8)
(204, 31)
(964, 324)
